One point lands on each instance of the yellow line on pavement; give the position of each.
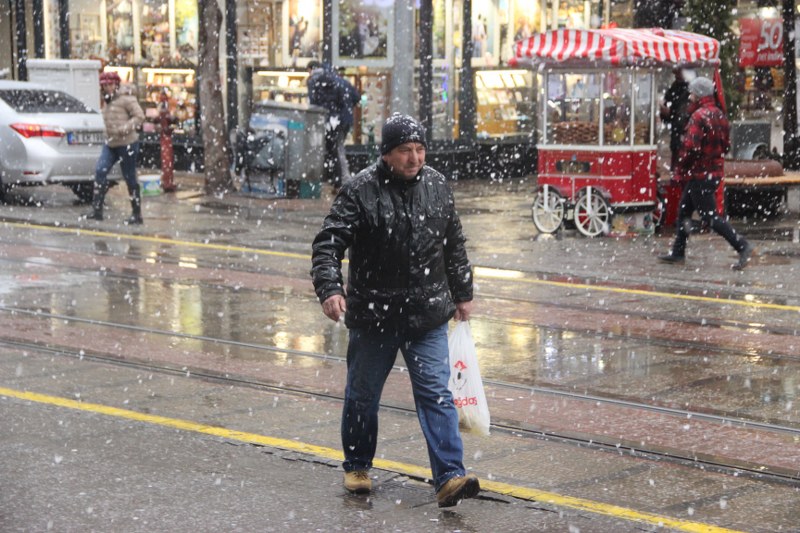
(658, 294)
(159, 240)
(488, 272)
(524, 493)
(518, 276)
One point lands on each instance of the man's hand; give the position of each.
(334, 307)
(463, 311)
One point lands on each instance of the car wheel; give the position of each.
(659, 213)
(84, 191)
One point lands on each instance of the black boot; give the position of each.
(98, 197)
(136, 206)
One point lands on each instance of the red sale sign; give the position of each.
(761, 42)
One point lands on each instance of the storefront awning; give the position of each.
(617, 46)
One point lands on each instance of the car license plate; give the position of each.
(85, 137)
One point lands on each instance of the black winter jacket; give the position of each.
(408, 263)
(334, 93)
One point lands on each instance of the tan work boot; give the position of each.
(358, 481)
(457, 489)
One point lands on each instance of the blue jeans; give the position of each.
(126, 155)
(370, 357)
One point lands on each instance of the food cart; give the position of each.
(598, 98)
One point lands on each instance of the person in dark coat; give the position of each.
(329, 90)
(674, 112)
(700, 167)
(408, 276)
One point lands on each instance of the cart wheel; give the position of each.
(659, 213)
(548, 210)
(592, 213)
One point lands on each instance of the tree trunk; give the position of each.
(216, 154)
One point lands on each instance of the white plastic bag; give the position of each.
(465, 382)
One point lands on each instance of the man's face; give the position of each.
(406, 160)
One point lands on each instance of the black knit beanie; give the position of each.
(400, 129)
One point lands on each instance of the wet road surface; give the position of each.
(569, 331)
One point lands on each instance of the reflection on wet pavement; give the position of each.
(687, 377)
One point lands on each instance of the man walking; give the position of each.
(123, 117)
(700, 166)
(408, 276)
(675, 112)
(331, 91)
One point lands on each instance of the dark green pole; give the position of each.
(791, 145)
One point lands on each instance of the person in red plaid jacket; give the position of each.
(700, 167)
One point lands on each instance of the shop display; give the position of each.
(179, 86)
(186, 31)
(280, 86)
(290, 86)
(363, 33)
(125, 73)
(504, 102)
(86, 39)
(119, 31)
(374, 108)
(259, 30)
(302, 31)
(155, 33)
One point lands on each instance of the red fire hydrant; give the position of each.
(166, 122)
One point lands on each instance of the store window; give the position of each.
(186, 31)
(439, 29)
(643, 108)
(617, 108)
(574, 14)
(572, 108)
(302, 32)
(155, 32)
(525, 20)
(518, 20)
(152, 45)
(86, 27)
(485, 29)
(179, 87)
(120, 41)
(363, 33)
(458, 37)
(504, 102)
(259, 26)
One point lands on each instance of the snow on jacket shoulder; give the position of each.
(408, 263)
(123, 116)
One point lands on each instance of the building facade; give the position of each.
(376, 43)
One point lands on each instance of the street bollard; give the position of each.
(166, 122)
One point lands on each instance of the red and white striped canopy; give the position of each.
(618, 46)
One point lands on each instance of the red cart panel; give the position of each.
(627, 177)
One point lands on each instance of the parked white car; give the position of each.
(48, 136)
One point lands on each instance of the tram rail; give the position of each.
(726, 296)
(688, 459)
(722, 296)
